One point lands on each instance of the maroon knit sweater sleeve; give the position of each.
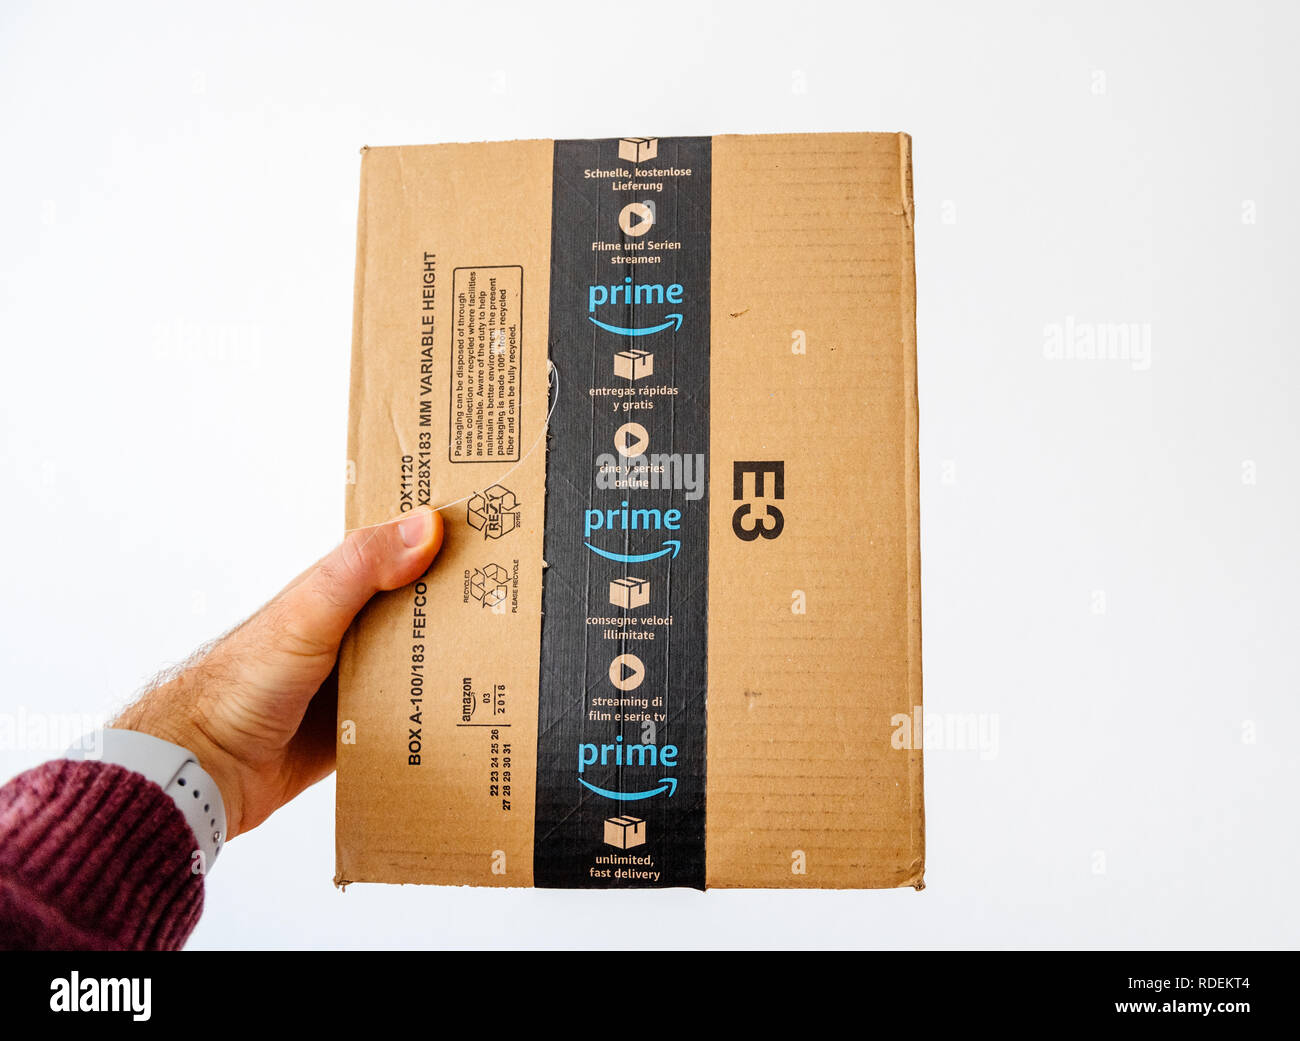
(94, 857)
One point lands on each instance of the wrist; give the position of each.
(175, 769)
(159, 715)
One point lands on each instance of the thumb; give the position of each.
(317, 610)
(241, 707)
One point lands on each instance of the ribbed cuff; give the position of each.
(94, 850)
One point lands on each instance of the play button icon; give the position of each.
(631, 439)
(627, 672)
(636, 219)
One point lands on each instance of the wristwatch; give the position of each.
(173, 769)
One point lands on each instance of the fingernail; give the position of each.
(415, 530)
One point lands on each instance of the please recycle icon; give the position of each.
(490, 584)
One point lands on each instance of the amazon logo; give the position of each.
(626, 518)
(655, 757)
(629, 295)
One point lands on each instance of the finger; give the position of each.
(317, 611)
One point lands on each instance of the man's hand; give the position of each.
(258, 708)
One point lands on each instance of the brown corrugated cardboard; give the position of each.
(800, 379)
(818, 236)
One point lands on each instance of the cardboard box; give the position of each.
(625, 832)
(629, 592)
(721, 332)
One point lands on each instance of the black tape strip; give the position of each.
(621, 751)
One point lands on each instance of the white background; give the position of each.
(1109, 550)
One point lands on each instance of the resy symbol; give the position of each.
(493, 512)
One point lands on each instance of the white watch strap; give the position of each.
(173, 769)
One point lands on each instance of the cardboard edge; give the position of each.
(356, 381)
(457, 145)
(916, 874)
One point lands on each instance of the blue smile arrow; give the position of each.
(670, 546)
(674, 319)
(666, 784)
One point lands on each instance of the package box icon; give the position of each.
(493, 512)
(629, 592)
(638, 149)
(624, 832)
(633, 364)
